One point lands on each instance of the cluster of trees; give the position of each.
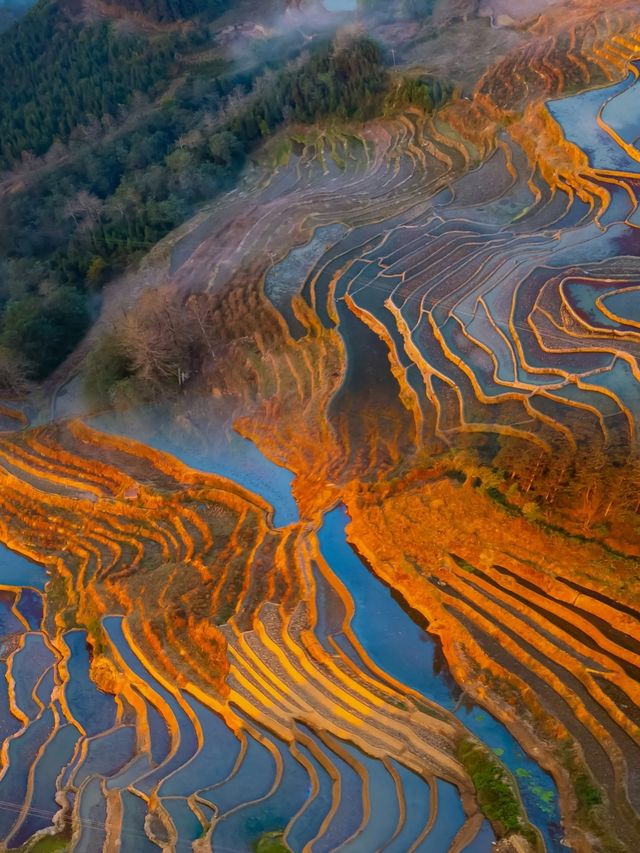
(150, 352)
(56, 74)
(116, 194)
(42, 328)
(347, 82)
(14, 373)
(593, 487)
(423, 91)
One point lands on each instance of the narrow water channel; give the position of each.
(407, 652)
(391, 638)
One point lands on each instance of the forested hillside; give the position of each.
(171, 10)
(119, 179)
(57, 73)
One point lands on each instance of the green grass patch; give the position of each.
(271, 842)
(47, 844)
(580, 537)
(586, 792)
(497, 496)
(463, 564)
(426, 709)
(495, 790)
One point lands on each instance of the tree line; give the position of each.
(57, 73)
(172, 10)
(595, 487)
(423, 91)
(111, 197)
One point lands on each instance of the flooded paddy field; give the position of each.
(284, 614)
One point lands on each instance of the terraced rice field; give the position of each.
(297, 739)
(297, 631)
(491, 310)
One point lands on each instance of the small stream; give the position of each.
(226, 454)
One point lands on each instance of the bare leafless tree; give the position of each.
(157, 337)
(85, 209)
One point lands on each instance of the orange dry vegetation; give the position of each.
(495, 588)
(128, 530)
(569, 47)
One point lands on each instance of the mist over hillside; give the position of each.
(160, 120)
(11, 11)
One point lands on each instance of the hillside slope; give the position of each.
(159, 123)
